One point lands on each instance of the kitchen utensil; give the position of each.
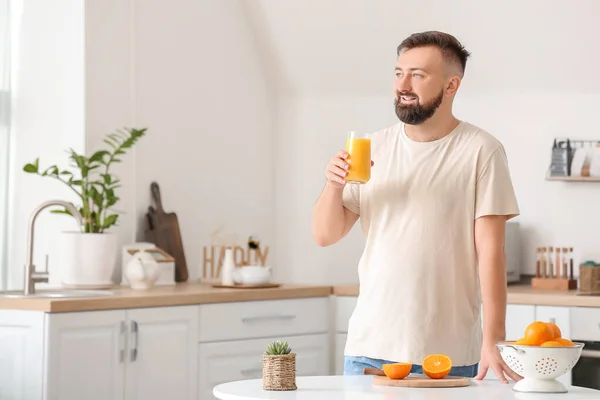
(415, 380)
(551, 270)
(166, 233)
(540, 366)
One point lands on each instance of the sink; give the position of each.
(56, 294)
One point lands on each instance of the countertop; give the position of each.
(177, 295)
(518, 294)
(190, 293)
(361, 387)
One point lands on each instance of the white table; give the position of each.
(360, 387)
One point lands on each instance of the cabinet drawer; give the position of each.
(238, 360)
(585, 323)
(269, 318)
(344, 308)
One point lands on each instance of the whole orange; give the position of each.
(525, 342)
(564, 342)
(538, 332)
(555, 329)
(551, 343)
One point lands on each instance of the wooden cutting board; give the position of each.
(422, 381)
(246, 286)
(166, 234)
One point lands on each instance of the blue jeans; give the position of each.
(355, 366)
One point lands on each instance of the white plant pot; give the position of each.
(88, 260)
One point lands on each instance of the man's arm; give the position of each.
(489, 244)
(331, 220)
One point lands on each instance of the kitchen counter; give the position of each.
(180, 294)
(197, 293)
(361, 387)
(518, 294)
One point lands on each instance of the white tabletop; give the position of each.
(360, 387)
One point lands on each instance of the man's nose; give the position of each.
(404, 85)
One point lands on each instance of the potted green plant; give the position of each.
(89, 256)
(279, 367)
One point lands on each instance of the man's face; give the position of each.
(419, 84)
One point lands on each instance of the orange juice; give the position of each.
(359, 158)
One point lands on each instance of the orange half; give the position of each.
(397, 370)
(437, 366)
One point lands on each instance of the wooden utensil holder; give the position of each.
(554, 271)
(554, 284)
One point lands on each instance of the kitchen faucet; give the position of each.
(31, 276)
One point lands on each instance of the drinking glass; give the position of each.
(358, 147)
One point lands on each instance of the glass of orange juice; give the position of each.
(358, 147)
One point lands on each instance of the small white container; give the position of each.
(142, 271)
(228, 268)
(254, 275)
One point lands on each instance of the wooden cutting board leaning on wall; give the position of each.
(163, 231)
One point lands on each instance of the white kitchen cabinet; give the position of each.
(222, 362)
(123, 354)
(21, 344)
(518, 316)
(585, 324)
(162, 353)
(340, 346)
(85, 355)
(129, 354)
(344, 307)
(265, 318)
(234, 336)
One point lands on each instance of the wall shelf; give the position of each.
(574, 178)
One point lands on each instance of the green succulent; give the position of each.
(278, 348)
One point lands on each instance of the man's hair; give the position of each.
(452, 50)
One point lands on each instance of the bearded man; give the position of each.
(433, 214)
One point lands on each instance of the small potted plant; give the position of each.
(89, 254)
(279, 367)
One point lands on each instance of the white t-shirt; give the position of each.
(419, 283)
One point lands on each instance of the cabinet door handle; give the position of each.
(134, 332)
(267, 317)
(553, 320)
(122, 339)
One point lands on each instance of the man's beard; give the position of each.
(415, 114)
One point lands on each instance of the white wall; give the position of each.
(201, 90)
(47, 117)
(531, 78)
(552, 213)
(190, 73)
(198, 74)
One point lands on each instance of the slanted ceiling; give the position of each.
(348, 46)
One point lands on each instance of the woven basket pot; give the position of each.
(279, 372)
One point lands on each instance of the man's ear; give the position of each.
(452, 86)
